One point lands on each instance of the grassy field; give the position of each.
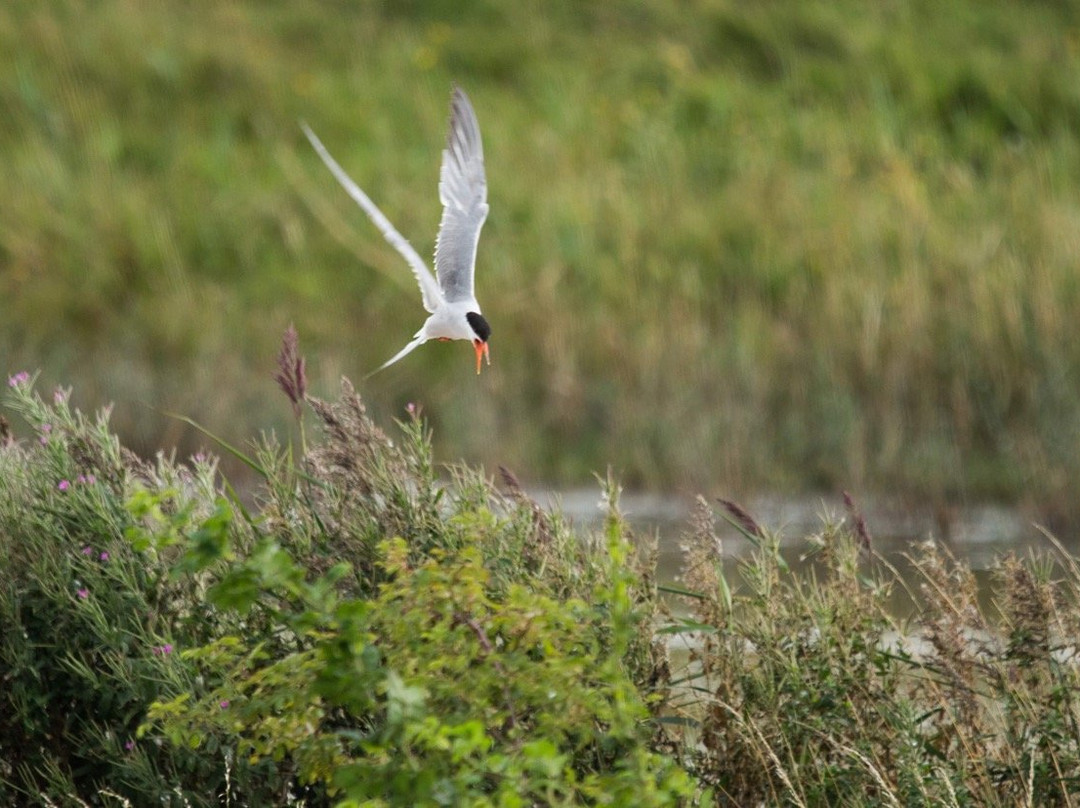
(731, 245)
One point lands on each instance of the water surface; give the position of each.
(975, 534)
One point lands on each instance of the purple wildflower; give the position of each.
(88, 550)
(224, 704)
(83, 593)
(129, 745)
(59, 395)
(19, 378)
(163, 650)
(63, 485)
(104, 556)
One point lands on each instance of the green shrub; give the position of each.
(366, 634)
(437, 670)
(93, 620)
(439, 691)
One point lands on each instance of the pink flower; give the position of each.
(104, 556)
(163, 650)
(224, 704)
(129, 745)
(88, 550)
(411, 408)
(63, 485)
(83, 594)
(19, 378)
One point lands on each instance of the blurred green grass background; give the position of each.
(768, 245)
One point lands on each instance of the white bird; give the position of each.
(455, 314)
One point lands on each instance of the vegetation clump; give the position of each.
(365, 635)
(362, 632)
(808, 690)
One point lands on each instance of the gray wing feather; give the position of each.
(429, 288)
(463, 193)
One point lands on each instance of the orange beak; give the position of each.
(481, 351)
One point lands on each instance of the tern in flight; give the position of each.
(455, 314)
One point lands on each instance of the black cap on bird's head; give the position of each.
(482, 330)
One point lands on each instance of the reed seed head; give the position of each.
(291, 374)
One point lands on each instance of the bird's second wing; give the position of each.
(463, 193)
(429, 288)
(418, 340)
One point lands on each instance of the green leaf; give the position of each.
(210, 542)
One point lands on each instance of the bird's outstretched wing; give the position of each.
(418, 340)
(463, 193)
(429, 288)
